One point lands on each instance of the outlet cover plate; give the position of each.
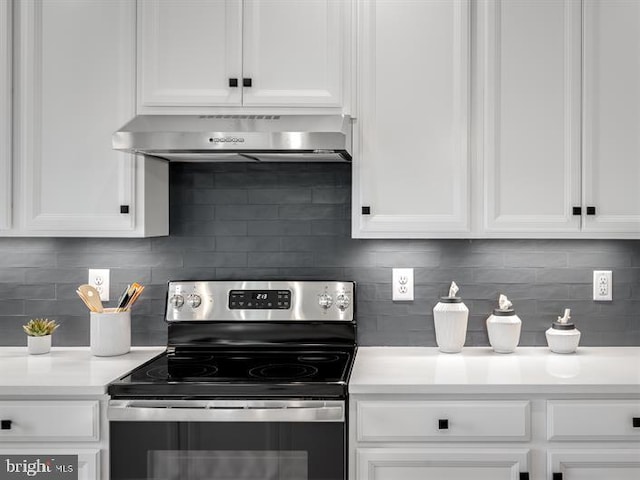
(99, 279)
(402, 285)
(602, 286)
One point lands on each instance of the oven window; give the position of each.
(227, 464)
(227, 450)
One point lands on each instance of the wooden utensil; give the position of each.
(91, 297)
(85, 300)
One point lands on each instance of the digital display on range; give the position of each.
(259, 299)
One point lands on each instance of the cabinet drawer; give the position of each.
(420, 421)
(43, 421)
(593, 420)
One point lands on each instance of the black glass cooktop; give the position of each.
(211, 374)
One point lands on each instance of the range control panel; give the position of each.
(260, 301)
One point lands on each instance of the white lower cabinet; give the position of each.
(88, 459)
(435, 464)
(600, 464)
(60, 426)
(506, 436)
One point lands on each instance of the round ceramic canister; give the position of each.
(110, 333)
(563, 337)
(504, 330)
(450, 318)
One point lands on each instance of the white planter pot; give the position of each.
(38, 345)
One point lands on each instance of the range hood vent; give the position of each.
(238, 138)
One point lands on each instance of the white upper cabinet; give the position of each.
(5, 114)
(76, 86)
(560, 116)
(189, 52)
(531, 94)
(278, 53)
(411, 169)
(611, 139)
(293, 52)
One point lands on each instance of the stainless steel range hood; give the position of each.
(238, 138)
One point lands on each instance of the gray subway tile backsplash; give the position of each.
(276, 221)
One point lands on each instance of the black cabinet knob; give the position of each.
(233, 82)
(124, 209)
(524, 475)
(636, 422)
(591, 210)
(577, 210)
(443, 424)
(556, 476)
(246, 82)
(366, 210)
(5, 424)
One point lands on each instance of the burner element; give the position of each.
(318, 358)
(181, 371)
(283, 371)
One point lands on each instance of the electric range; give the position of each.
(254, 379)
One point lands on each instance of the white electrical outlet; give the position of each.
(402, 284)
(99, 279)
(602, 286)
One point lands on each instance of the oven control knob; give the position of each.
(343, 301)
(325, 300)
(177, 300)
(194, 300)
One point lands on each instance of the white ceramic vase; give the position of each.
(563, 338)
(38, 345)
(504, 330)
(450, 318)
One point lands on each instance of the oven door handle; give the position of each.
(222, 411)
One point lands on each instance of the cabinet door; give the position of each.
(188, 50)
(612, 115)
(437, 464)
(5, 114)
(88, 459)
(411, 171)
(76, 87)
(531, 95)
(293, 52)
(594, 464)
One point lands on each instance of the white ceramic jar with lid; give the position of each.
(450, 318)
(504, 327)
(563, 336)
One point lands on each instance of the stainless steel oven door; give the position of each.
(224, 440)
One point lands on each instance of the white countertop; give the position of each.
(480, 370)
(65, 370)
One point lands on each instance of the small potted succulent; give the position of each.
(39, 332)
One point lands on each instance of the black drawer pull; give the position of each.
(233, 82)
(557, 476)
(636, 422)
(443, 424)
(524, 475)
(5, 424)
(577, 210)
(591, 210)
(246, 82)
(366, 210)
